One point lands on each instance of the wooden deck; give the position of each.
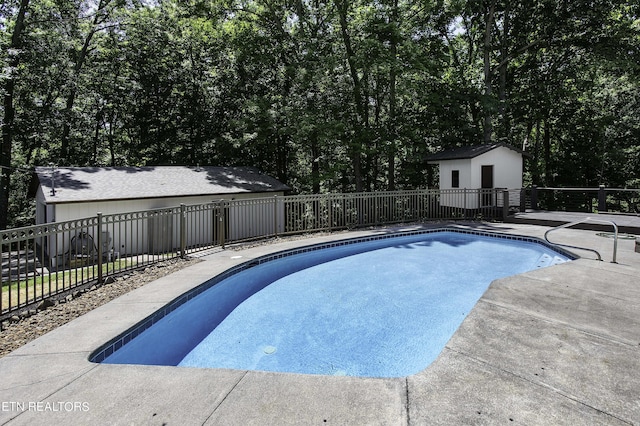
(626, 223)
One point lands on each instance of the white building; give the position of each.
(69, 194)
(477, 167)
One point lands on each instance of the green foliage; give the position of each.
(324, 95)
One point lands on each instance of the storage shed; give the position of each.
(66, 194)
(477, 167)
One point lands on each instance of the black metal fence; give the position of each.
(587, 200)
(52, 260)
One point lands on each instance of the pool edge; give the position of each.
(98, 355)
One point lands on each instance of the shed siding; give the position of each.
(464, 166)
(72, 211)
(507, 169)
(456, 199)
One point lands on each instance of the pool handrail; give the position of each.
(567, 225)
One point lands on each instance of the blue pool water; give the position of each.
(382, 308)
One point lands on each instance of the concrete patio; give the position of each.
(559, 345)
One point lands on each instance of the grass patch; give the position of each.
(39, 287)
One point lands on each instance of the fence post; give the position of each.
(464, 202)
(183, 231)
(534, 197)
(505, 205)
(275, 215)
(330, 211)
(221, 223)
(523, 200)
(99, 239)
(602, 199)
(376, 216)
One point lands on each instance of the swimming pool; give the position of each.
(381, 306)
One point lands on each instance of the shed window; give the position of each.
(455, 178)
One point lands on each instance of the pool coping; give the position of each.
(563, 349)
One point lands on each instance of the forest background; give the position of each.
(326, 96)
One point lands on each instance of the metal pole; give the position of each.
(615, 244)
(534, 197)
(464, 202)
(99, 238)
(602, 199)
(376, 217)
(183, 233)
(221, 223)
(275, 215)
(330, 211)
(505, 205)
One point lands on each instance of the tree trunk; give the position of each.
(96, 134)
(71, 97)
(9, 115)
(488, 90)
(112, 147)
(391, 131)
(315, 162)
(355, 145)
(535, 172)
(502, 88)
(548, 174)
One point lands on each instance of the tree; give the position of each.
(13, 60)
(98, 17)
(323, 94)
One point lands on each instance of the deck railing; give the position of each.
(587, 200)
(55, 260)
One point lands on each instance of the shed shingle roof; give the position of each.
(466, 152)
(82, 184)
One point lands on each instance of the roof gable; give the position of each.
(467, 152)
(83, 184)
